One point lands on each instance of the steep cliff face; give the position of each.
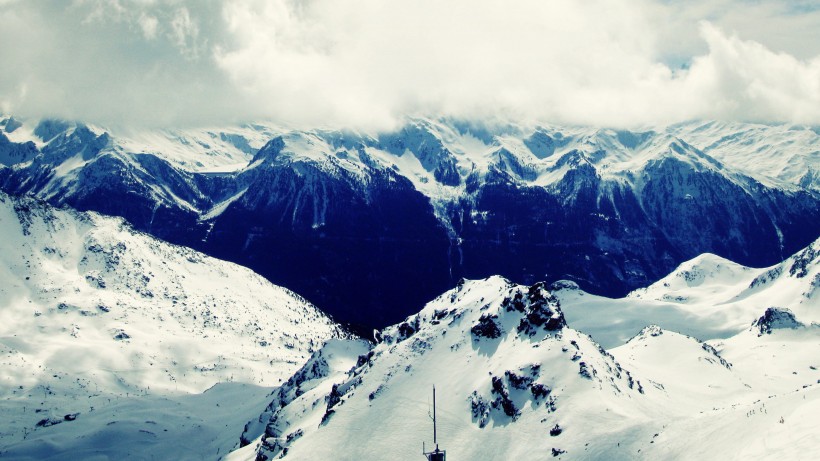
(696, 205)
(371, 225)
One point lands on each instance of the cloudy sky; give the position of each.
(368, 63)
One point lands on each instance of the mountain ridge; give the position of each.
(516, 372)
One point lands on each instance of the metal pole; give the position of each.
(435, 440)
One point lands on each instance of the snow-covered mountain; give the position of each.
(772, 153)
(402, 215)
(113, 343)
(514, 381)
(507, 371)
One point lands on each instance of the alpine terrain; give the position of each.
(346, 230)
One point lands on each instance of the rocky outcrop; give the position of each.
(775, 318)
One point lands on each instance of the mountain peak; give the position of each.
(495, 307)
(650, 331)
(500, 355)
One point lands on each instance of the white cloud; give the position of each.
(588, 61)
(149, 25)
(370, 62)
(745, 80)
(184, 32)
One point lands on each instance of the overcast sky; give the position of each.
(368, 63)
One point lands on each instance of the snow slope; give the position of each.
(131, 335)
(751, 396)
(707, 297)
(554, 395)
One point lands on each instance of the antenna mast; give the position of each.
(435, 455)
(435, 439)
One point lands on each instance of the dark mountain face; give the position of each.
(543, 234)
(367, 254)
(357, 236)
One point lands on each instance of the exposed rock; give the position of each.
(487, 327)
(775, 318)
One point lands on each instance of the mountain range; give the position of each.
(370, 226)
(617, 294)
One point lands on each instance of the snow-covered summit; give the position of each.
(513, 381)
(710, 277)
(706, 297)
(708, 273)
(647, 332)
(447, 152)
(506, 369)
